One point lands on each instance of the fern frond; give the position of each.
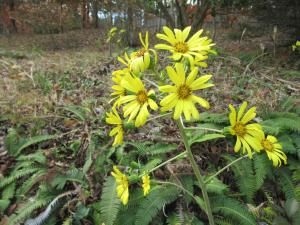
(288, 186)
(233, 210)
(151, 164)
(35, 157)
(160, 148)
(42, 217)
(224, 222)
(24, 212)
(109, 204)
(72, 175)
(146, 148)
(154, 202)
(17, 175)
(9, 191)
(216, 186)
(127, 213)
(262, 168)
(68, 221)
(244, 176)
(27, 184)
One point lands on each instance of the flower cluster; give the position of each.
(179, 95)
(123, 184)
(251, 136)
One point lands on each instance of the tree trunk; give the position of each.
(169, 19)
(200, 15)
(84, 13)
(130, 29)
(182, 13)
(60, 17)
(8, 22)
(95, 13)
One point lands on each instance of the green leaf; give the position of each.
(205, 137)
(110, 203)
(216, 186)
(34, 140)
(233, 209)
(79, 112)
(154, 202)
(4, 203)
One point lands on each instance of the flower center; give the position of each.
(267, 145)
(184, 91)
(142, 97)
(239, 129)
(181, 47)
(140, 52)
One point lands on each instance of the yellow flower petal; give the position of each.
(241, 110)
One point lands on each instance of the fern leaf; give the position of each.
(232, 209)
(21, 173)
(244, 176)
(33, 141)
(216, 186)
(262, 167)
(67, 221)
(151, 164)
(35, 157)
(42, 217)
(287, 184)
(24, 212)
(160, 148)
(26, 185)
(110, 203)
(224, 222)
(153, 203)
(72, 175)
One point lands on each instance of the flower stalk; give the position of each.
(197, 172)
(226, 167)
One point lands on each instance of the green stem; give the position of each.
(197, 172)
(160, 116)
(150, 82)
(225, 167)
(203, 128)
(164, 163)
(176, 185)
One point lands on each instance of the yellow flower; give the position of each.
(122, 185)
(146, 184)
(296, 45)
(141, 59)
(126, 61)
(181, 94)
(180, 47)
(138, 101)
(274, 150)
(114, 119)
(248, 135)
(119, 91)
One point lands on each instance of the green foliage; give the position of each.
(153, 149)
(233, 209)
(216, 186)
(25, 212)
(204, 137)
(15, 144)
(153, 203)
(244, 176)
(109, 205)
